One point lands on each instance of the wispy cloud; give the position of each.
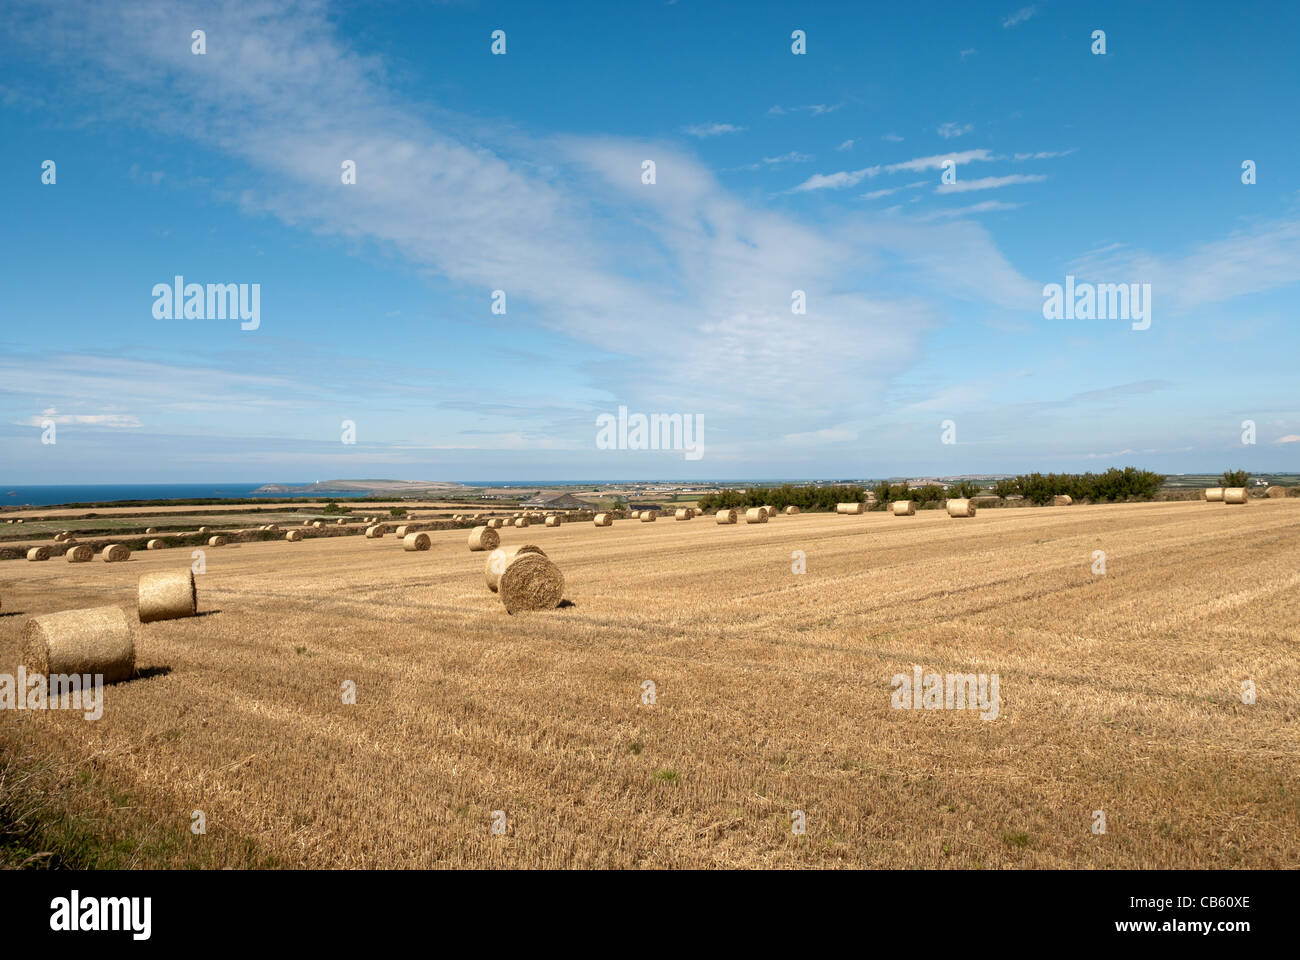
(850, 178)
(816, 109)
(1289, 438)
(892, 138)
(704, 130)
(952, 129)
(1044, 154)
(1020, 16)
(989, 183)
(987, 206)
(846, 145)
(115, 420)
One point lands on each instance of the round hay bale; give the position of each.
(116, 553)
(769, 510)
(217, 541)
(1275, 492)
(961, 507)
(318, 524)
(756, 515)
(904, 508)
(154, 545)
(273, 527)
(167, 595)
(19, 520)
(852, 508)
(553, 520)
(69, 540)
(149, 530)
(81, 553)
(501, 558)
(648, 516)
(791, 510)
(484, 538)
(94, 641)
(683, 513)
(1235, 495)
(293, 536)
(205, 530)
(531, 582)
(401, 532)
(603, 520)
(58, 537)
(1064, 500)
(726, 516)
(416, 541)
(339, 522)
(375, 533)
(521, 522)
(1214, 494)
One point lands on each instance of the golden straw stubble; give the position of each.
(94, 641)
(531, 582)
(501, 558)
(167, 595)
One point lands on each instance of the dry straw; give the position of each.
(498, 560)
(167, 595)
(683, 514)
(853, 508)
(553, 520)
(1276, 492)
(216, 541)
(961, 507)
(648, 516)
(904, 508)
(374, 533)
(94, 641)
(603, 520)
(484, 538)
(293, 536)
(416, 541)
(1064, 500)
(521, 522)
(531, 582)
(81, 553)
(115, 553)
(726, 516)
(1214, 494)
(154, 545)
(1234, 495)
(756, 515)
(791, 510)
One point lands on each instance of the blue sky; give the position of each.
(775, 172)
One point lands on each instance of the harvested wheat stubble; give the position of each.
(81, 553)
(1234, 495)
(416, 541)
(1064, 500)
(961, 507)
(852, 508)
(553, 521)
(791, 510)
(94, 641)
(217, 541)
(683, 514)
(603, 520)
(531, 582)
(648, 516)
(499, 559)
(167, 595)
(726, 516)
(116, 553)
(756, 515)
(1275, 492)
(904, 508)
(521, 522)
(1214, 494)
(154, 545)
(374, 533)
(484, 538)
(293, 536)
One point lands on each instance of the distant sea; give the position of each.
(41, 496)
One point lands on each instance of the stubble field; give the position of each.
(1120, 693)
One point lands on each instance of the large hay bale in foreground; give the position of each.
(726, 516)
(851, 508)
(81, 553)
(217, 541)
(501, 558)
(756, 515)
(484, 538)
(1275, 492)
(1064, 500)
(154, 545)
(648, 516)
(683, 513)
(961, 507)
(416, 541)
(904, 508)
(293, 536)
(375, 533)
(167, 595)
(1235, 495)
(553, 520)
(531, 582)
(116, 553)
(603, 520)
(94, 641)
(791, 510)
(1214, 494)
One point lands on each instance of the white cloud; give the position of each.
(846, 145)
(1020, 16)
(115, 420)
(703, 130)
(892, 138)
(1289, 438)
(989, 183)
(987, 206)
(850, 178)
(968, 52)
(953, 129)
(1044, 154)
